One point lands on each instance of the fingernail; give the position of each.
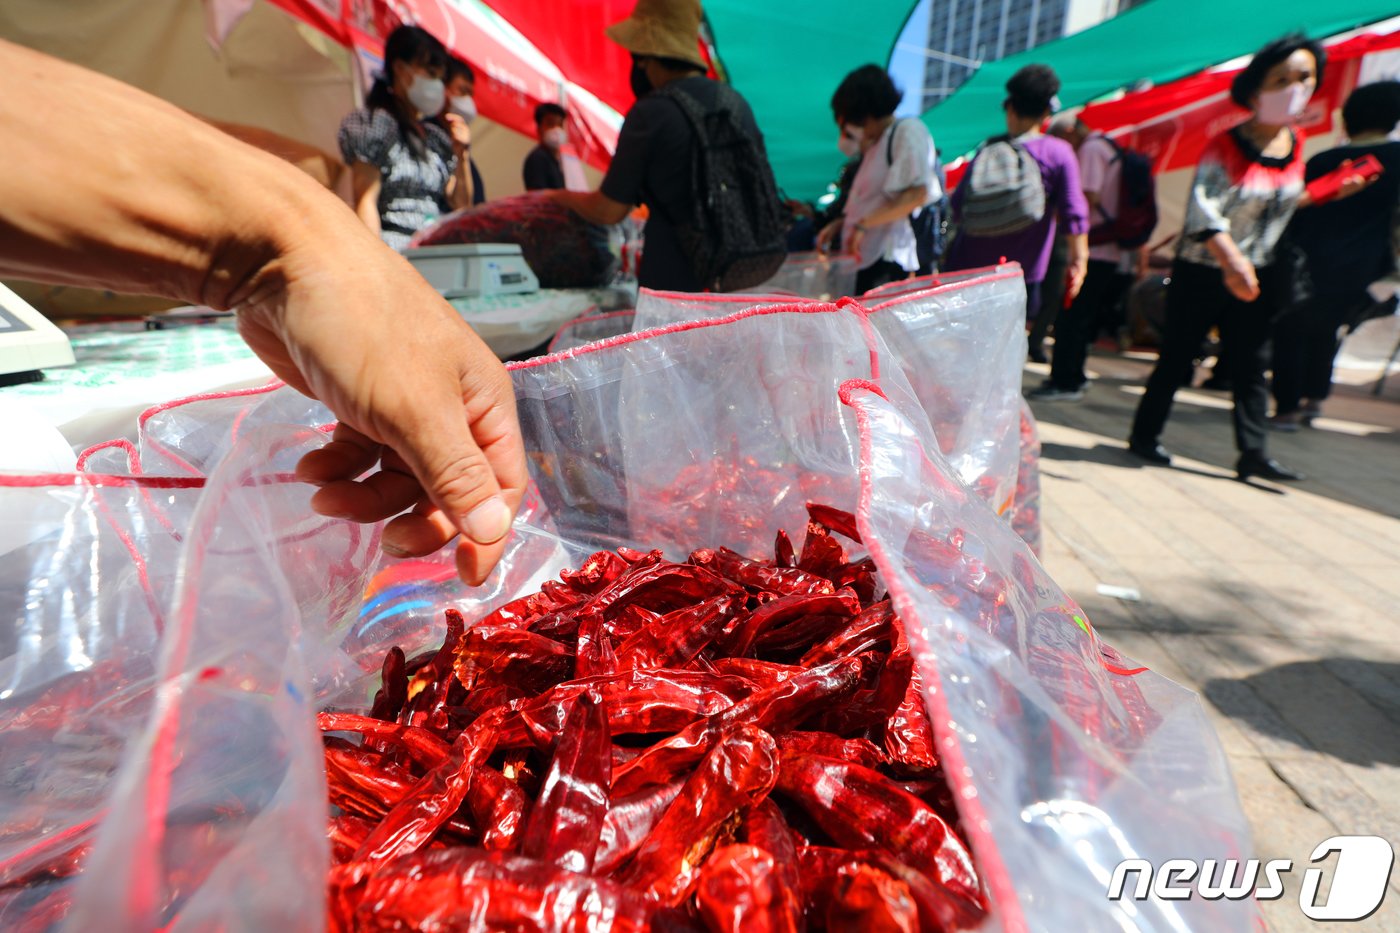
(488, 522)
(392, 549)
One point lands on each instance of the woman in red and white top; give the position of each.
(1248, 183)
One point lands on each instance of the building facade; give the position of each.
(964, 33)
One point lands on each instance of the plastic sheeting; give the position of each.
(1064, 756)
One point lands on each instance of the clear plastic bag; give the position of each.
(591, 328)
(813, 275)
(1025, 506)
(958, 338)
(1064, 757)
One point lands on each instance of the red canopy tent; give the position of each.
(1172, 123)
(513, 77)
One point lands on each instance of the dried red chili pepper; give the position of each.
(427, 689)
(674, 639)
(393, 691)
(843, 523)
(778, 708)
(865, 898)
(498, 655)
(740, 638)
(909, 739)
(567, 818)
(861, 751)
(597, 572)
(783, 553)
(861, 809)
(629, 821)
(735, 775)
(347, 832)
(434, 799)
(867, 630)
(821, 554)
(738, 891)
(467, 889)
(786, 581)
(764, 826)
(660, 587)
(423, 746)
(497, 806)
(595, 655)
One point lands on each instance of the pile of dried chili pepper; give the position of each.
(722, 744)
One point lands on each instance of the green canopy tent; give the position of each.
(1159, 41)
(787, 57)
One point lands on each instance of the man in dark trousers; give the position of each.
(544, 166)
(655, 149)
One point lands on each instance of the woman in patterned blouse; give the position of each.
(406, 170)
(1227, 274)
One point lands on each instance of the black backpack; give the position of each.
(737, 237)
(929, 223)
(1137, 203)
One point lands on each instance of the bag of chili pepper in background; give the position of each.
(960, 341)
(561, 248)
(1062, 756)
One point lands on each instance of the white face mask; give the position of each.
(464, 107)
(555, 138)
(850, 148)
(427, 95)
(1284, 105)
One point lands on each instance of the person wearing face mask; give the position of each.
(406, 168)
(459, 112)
(1349, 243)
(896, 178)
(1228, 272)
(657, 146)
(544, 166)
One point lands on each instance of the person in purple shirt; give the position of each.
(1030, 99)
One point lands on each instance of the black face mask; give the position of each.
(641, 84)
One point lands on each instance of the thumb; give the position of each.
(455, 473)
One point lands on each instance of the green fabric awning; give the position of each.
(787, 57)
(1162, 40)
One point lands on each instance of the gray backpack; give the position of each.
(1005, 193)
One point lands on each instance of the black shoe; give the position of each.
(1037, 355)
(1218, 382)
(1265, 468)
(1151, 451)
(1052, 393)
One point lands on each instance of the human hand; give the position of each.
(414, 388)
(854, 240)
(1354, 183)
(460, 132)
(1241, 279)
(1075, 274)
(827, 234)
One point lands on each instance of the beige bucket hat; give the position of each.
(663, 28)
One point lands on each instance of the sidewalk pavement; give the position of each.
(1279, 604)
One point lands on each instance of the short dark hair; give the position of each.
(456, 68)
(549, 110)
(1372, 108)
(1248, 82)
(1031, 90)
(865, 93)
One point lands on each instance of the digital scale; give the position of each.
(474, 270)
(29, 342)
